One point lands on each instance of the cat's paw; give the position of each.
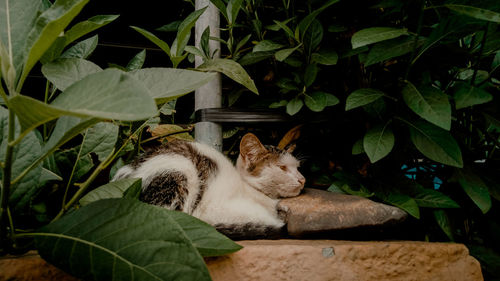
(282, 212)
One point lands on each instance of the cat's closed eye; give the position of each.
(283, 167)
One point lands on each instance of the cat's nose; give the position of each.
(302, 180)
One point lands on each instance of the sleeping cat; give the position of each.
(196, 179)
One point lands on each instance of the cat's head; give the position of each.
(268, 169)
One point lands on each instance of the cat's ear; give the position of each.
(251, 149)
(290, 148)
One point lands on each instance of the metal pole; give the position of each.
(209, 95)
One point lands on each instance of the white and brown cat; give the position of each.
(239, 201)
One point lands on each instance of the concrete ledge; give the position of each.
(321, 260)
(311, 260)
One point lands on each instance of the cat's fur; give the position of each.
(195, 178)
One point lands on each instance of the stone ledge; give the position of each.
(321, 260)
(312, 260)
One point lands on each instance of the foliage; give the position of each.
(53, 151)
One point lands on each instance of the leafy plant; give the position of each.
(71, 136)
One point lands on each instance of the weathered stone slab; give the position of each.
(327, 260)
(316, 211)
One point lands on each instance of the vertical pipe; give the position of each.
(210, 94)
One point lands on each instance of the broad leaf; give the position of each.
(151, 37)
(109, 94)
(47, 28)
(372, 35)
(436, 143)
(430, 198)
(100, 139)
(475, 188)
(325, 57)
(313, 36)
(84, 27)
(467, 95)
(429, 103)
(137, 61)
(266, 45)
(404, 202)
(82, 49)
(362, 97)
(390, 49)
(357, 147)
(310, 74)
(123, 239)
(317, 101)
(281, 55)
(378, 142)
(443, 221)
(232, 70)
(362, 191)
(477, 13)
(294, 106)
(165, 84)
(64, 72)
(16, 20)
(114, 189)
(184, 31)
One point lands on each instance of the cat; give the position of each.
(240, 201)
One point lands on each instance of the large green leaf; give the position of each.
(114, 189)
(25, 153)
(137, 61)
(429, 103)
(84, 27)
(317, 101)
(467, 95)
(232, 10)
(294, 106)
(16, 20)
(362, 97)
(165, 84)
(100, 139)
(404, 202)
(372, 35)
(124, 239)
(430, 198)
(82, 49)
(184, 31)
(47, 28)
(475, 188)
(153, 38)
(232, 70)
(313, 36)
(436, 143)
(477, 13)
(443, 221)
(378, 142)
(391, 49)
(109, 94)
(64, 72)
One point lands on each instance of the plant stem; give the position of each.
(73, 170)
(7, 173)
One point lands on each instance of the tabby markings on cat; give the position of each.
(240, 201)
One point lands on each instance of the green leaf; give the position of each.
(390, 49)
(109, 94)
(496, 61)
(100, 139)
(47, 28)
(475, 188)
(195, 51)
(313, 36)
(184, 31)
(266, 45)
(306, 22)
(430, 198)
(157, 41)
(362, 97)
(467, 95)
(64, 72)
(134, 191)
(24, 154)
(17, 19)
(232, 70)
(477, 13)
(137, 61)
(166, 84)
(316, 101)
(378, 142)
(285, 28)
(170, 27)
(66, 128)
(115, 189)
(278, 104)
(252, 58)
(233, 9)
(281, 55)
(294, 106)
(325, 57)
(429, 103)
(124, 239)
(362, 191)
(357, 147)
(436, 143)
(83, 166)
(404, 202)
(221, 6)
(443, 221)
(372, 35)
(331, 100)
(82, 49)
(87, 26)
(310, 74)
